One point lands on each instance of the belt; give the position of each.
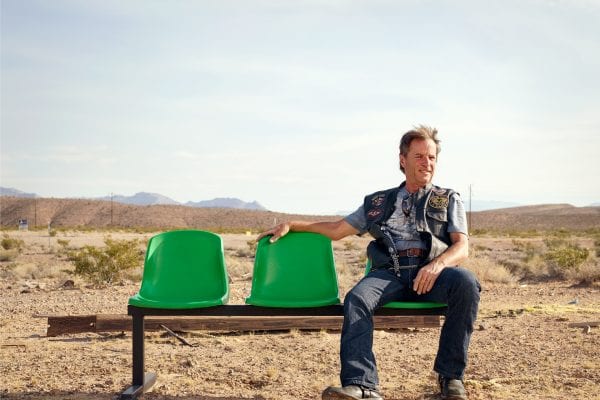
(411, 253)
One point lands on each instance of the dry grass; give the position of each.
(488, 270)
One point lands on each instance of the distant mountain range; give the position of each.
(147, 199)
(14, 192)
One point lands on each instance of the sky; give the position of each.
(299, 105)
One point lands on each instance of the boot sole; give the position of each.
(330, 394)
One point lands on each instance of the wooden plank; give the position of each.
(110, 323)
(60, 325)
(242, 310)
(591, 324)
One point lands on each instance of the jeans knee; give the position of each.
(465, 282)
(355, 301)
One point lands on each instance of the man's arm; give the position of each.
(453, 256)
(334, 230)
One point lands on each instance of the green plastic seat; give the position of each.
(298, 270)
(407, 304)
(183, 269)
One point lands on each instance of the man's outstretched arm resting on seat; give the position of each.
(335, 230)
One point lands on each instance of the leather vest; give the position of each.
(431, 205)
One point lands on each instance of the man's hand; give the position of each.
(276, 232)
(454, 255)
(427, 276)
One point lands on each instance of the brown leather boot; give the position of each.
(350, 392)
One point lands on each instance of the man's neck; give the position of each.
(412, 187)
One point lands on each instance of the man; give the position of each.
(420, 238)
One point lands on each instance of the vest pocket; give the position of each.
(438, 222)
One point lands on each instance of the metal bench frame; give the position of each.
(142, 381)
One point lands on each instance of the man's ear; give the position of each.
(402, 161)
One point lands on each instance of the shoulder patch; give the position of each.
(374, 213)
(438, 201)
(378, 200)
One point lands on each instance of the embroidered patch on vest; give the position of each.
(378, 200)
(438, 201)
(439, 191)
(374, 213)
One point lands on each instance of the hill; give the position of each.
(99, 213)
(538, 217)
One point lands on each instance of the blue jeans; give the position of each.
(455, 286)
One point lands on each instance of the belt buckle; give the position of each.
(413, 252)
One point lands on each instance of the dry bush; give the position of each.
(247, 252)
(9, 243)
(564, 257)
(107, 265)
(238, 268)
(8, 255)
(350, 245)
(587, 274)
(487, 270)
(8, 272)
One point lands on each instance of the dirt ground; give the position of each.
(522, 347)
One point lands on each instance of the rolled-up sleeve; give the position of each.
(457, 216)
(357, 220)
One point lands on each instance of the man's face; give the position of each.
(419, 163)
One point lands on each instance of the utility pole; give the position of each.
(470, 206)
(111, 208)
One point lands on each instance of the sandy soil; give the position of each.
(522, 347)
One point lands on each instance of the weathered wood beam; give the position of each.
(584, 324)
(60, 325)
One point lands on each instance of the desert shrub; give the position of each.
(522, 233)
(478, 232)
(252, 244)
(564, 257)
(349, 245)
(487, 270)
(238, 268)
(63, 247)
(528, 250)
(107, 265)
(588, 273)
(250, 251)
(9, 243)
(8, 255)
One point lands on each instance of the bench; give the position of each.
(294, 282)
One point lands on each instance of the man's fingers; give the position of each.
(275, 233)
(423, 282)
(418, 282)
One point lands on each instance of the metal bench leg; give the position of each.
(140, 382)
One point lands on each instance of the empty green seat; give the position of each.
(407, 304)
(183, 269)
(297, 270)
